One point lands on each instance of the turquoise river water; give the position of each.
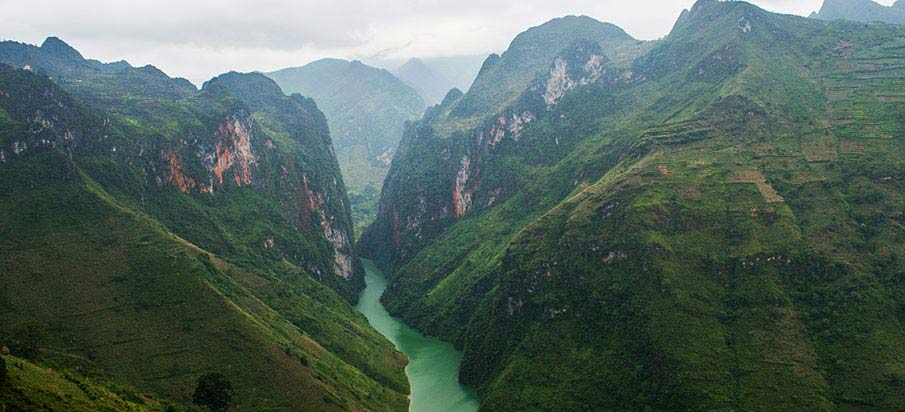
(434, 365)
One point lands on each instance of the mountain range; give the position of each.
(429, 83)
(152, 232)
(366, 108)
(862, 11)
(711, 221)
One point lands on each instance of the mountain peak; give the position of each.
(861, 11)
(248, 86)
(61, 49)
(428, 82)
(568, 27)
(503, 78)
(413, 62)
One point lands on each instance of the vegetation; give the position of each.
(159, 236)
(712, 224)
(366, 108)
(27, 336)
(213, 391)
(30, 387)
(3, 373)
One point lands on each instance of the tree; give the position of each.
(214, 391)
(2, 372)
(26, 336)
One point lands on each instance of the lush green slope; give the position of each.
(862, 11)
(503, 78)
(464, 129)
(229, 155)
(158, 248)
(714, 225)
(33, 388)
(366, 108)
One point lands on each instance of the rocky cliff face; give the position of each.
(164, 247)
(366, 108)
(456, 158)
(714, 210)
(239, 134)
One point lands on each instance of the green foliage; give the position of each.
(30, 387)
(148, 280)
(3, 373)
(366, 108)
(719, 231)
(26, 337)
(214, 391)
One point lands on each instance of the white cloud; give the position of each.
(198, 39)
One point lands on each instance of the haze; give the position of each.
(199, 39)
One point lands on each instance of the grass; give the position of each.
(145, 285)
(721, 235)
(140, 306)
(31, 387)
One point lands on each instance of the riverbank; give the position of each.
(433, 369)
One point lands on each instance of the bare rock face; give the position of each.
(223, 157)
(233, 147)
(535, 79)
(229, 158)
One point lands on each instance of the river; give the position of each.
(433, 369)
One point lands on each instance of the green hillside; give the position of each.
(159, 239)
(366, 109)
(713, 224)
(29, 387)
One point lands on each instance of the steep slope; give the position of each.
(237, 173)
(366, 108)
(157, 248)
(503, 78)
(447, 145)
(32, 388)
(861, 11)
(711, 226)
(430, 84)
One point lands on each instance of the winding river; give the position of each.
(434, 365)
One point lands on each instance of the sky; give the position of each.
(198, 39)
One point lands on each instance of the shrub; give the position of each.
(2, 372)
(214, 391)
(27, 336)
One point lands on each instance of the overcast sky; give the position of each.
(198, 39)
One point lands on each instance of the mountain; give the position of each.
(460, 70)
(708, 222)
(459, 116)
(29, 387)
(430, 84)
(157, 232)
(366, 108)
(862, 11)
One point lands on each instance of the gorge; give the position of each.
(711, 220)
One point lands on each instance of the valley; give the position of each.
(585, 220)
(433, 369)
